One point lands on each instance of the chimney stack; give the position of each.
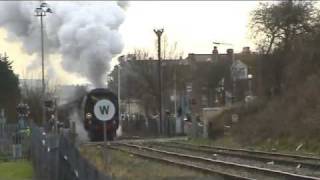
(246, 50)
(229, 51)
(230, 54)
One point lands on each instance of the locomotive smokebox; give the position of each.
(100, 106)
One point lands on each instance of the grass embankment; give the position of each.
(286, 113)
(16, 170)
(280, 123)
(127, 166)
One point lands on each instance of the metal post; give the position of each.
(250, 84)
(73, 131)
(234, 82)
(105, 143)
(42, 71)
(119, 99)
(160, 84)
(175, 96)
(42, 55)
(250, 87)
(159, 33)
(192, 105)
(194, 130)
(233, 91)
(56, 116)
(41, 12)
(105, 133)
(106, 153)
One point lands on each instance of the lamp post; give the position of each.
(119, 99)
(250, 84)
(159, 33)
(41, 11)
(175, 93)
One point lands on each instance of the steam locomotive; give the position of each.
(85, 106)
(92, 124)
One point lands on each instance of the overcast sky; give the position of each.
(193, 25)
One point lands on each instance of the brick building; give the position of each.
(205, 80)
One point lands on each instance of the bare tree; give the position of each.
(170, 50)
(277, 24)
(31, 93)
(141, 54)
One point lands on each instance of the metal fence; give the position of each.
(55, 157)
(14, 142)
(138, 125)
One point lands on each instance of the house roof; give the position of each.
(209, 57)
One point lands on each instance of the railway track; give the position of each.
(312, 164)
(279, 158)
(256, 152)
(303, 168)
(136, 139)
(227, 170)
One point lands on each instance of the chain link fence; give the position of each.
(55, 157)
(14, 142)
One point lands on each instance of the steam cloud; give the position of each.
(82, 133)
(84, 33)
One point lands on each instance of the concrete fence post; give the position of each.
(73, 131)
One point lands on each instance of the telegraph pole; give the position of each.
(159, 33)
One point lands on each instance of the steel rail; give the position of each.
(280, 155)
(181, 164)
(277, 160)
(247, 168)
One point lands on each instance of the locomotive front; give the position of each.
(92, 114)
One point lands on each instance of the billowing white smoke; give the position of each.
(81, 132)
(84, 33)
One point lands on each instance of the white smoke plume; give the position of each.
(84, 33)
(81, 132)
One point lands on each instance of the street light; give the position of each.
(250, 84)
(41, 11)
(119, 99)
(159, 33)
